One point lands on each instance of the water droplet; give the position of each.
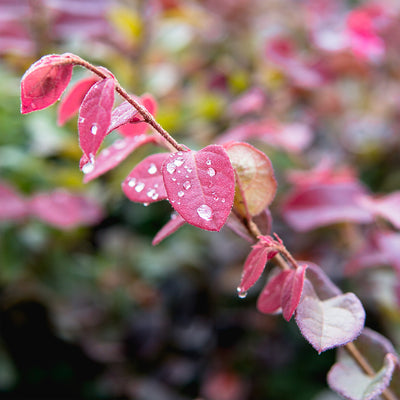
(155, 196)
(171, 167)
(150, 193)
(223, 200)
(173, 179)
(215, 197)
(205, 212)
(208, 162)
(187, 185)
(146, 204)
(132, 182)
(211, 171)
(241, 293)
(179, 153)
(181, 194)
(105, 152)
(81, 119)
(156, 185)
(189, 170)
(139, 187)
(179, 161)
(88, 167)
(152, 169)
(94, 129)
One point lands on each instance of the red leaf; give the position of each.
(12, 205)
(138, 128)
(70, 104)
(113, 155)
(95, 116)
(291, 291)
(254, 266)
(65, 210)
(200, 186)
(169, 228)
(310, 207)
(145, 183)
(44, 82)
(121, 115)
(269, 301)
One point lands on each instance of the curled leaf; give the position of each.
(44, 82)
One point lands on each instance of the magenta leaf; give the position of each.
(331, 322)
(387, 207)
(69, 105)
(137, 128)
(44, 82)
(95, 115)
(121, 115)
(169, 228)
(200, 186)
(65, 210)
(291, 291)
(269, 301)
(145, 184)
(13, 206)
(318, 205)
(254, 266)
(113, 155)
(349, 380)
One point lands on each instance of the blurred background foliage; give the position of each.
(97, 312)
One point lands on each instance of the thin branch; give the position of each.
(147, 117)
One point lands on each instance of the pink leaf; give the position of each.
(387, 207)
(200, 186)
(269, 301)
(138, 128)
(121, 115)
(251, 101)
(330, 322)
(169, 228)
(95, 115)
(65, 210)
(323, 204)
(70, 104)
(145, 184)
(12, 205)
(44, 82)
(113, 155)
(254, 266)
(291, 291)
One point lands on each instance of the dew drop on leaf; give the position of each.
(241, 293)
(181, 193)
(179, 161)
(205, 212)
(119, 144)
(186, 185)
(94, 129)
(208, 162)
(132, 182)
(171, 167)
(211, 171)
(152, 169)
(88, 167)
(150, 193)
(139, 187)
